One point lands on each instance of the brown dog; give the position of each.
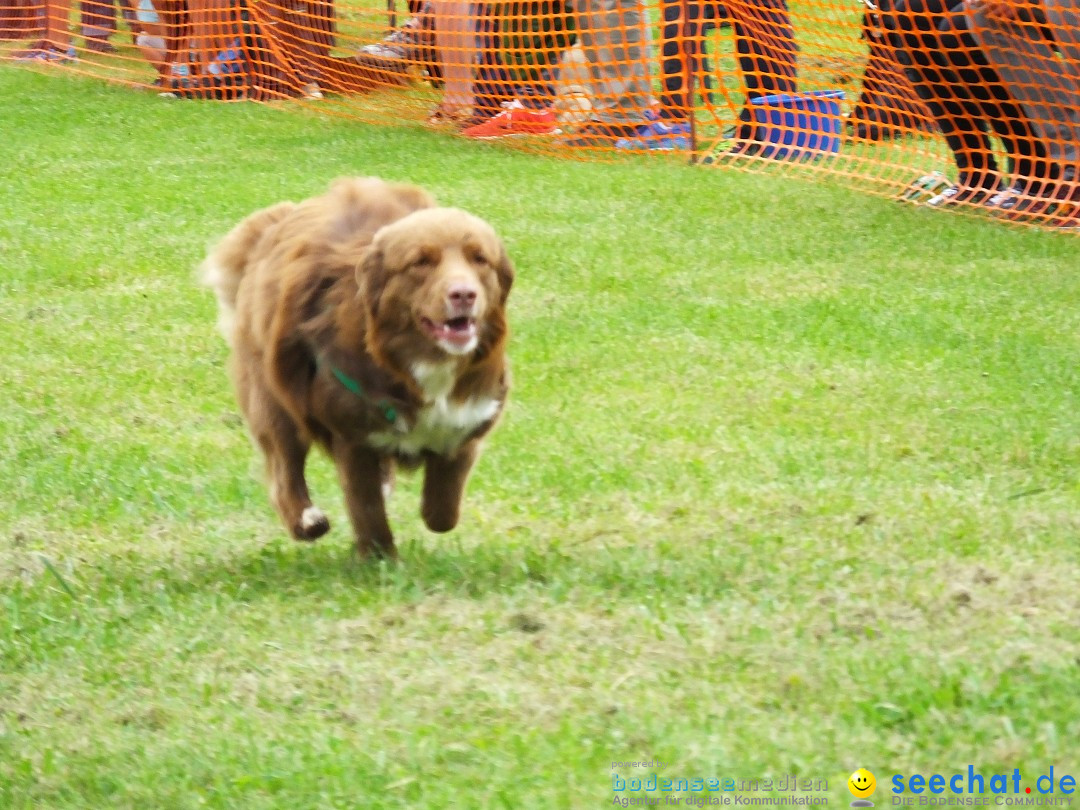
(373, 323)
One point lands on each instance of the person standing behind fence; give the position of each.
(966, 97)
(522, 46)
(55, 44)
(175, 16)
(97, 20)
(455, 43)
(20, 19)
(520, 43)
(445, 39)
(764, 45)
(613, 35)
(682, 49)
(150, 38)
(97, 23)
(1020, 40)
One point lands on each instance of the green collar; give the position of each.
(351, 385)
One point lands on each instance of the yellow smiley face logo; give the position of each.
(862, 783)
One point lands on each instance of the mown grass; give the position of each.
(788, 484)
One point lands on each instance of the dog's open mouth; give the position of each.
(458, 332)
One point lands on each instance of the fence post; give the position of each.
(688, 76)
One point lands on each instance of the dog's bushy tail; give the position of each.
(227, 261)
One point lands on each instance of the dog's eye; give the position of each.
(476, 257)
(425, 258)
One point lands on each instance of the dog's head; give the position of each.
(437, 279)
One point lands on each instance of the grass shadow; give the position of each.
(330, 571)
(443, 566)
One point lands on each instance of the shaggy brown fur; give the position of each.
(372, 323)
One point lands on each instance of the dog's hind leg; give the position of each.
(361, 472)
(389, 477)
(286, 451)
(285, 457)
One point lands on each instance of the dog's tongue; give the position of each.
(456, 331)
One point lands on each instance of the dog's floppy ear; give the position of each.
(371, 278)
(504, 270)
(413, 198)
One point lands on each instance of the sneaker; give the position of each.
(398, 46)
(515, 119)
(659, 136)
(409, 46)
(928, 184)
(958, 195)
(744, 149)
(1019, 207)
(99, 45)
(47, 54)
(1050, 199)
(741, 150)
(1070, 222)
(177, 85)
(1006, 198)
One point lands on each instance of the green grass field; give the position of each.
(788, 484)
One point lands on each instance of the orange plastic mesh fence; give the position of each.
(970, 104)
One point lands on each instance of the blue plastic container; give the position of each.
(803, 125)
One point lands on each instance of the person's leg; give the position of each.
(961, 55)
(307, 35)
(1042, 83)
(323, 27)
(681, 55)
(56, 40)
(1064, 19)
(215, 32)
(514, 87)
(130, 16)
(25, 19)
(491, 82)
(913, 34)
(150, 33)
(407, 48)
(455, 42)
(535, 34)
(615, 41)
(176, 19)
(152, 50)
(767, 53)
(765, 41)
(887, 105)
(10, 21)
(674, 60)
(97, 23)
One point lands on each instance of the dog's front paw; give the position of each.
(313, 524)
(440, 518)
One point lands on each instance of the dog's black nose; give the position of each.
(462, 295)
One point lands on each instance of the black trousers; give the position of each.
(764, 45)
(962, 91)
(97, 18)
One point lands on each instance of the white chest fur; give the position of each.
(441, 425)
